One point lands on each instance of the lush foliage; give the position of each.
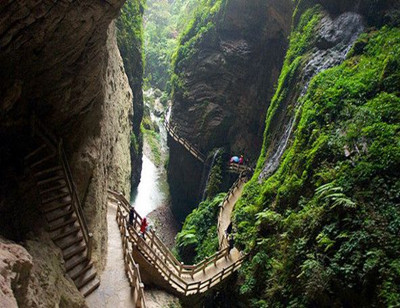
(164, 21)
(200, 26)
(323, 229)
(198, 237)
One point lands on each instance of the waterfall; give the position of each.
(204, 187)
(274, 160)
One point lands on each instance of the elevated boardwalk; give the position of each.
(193, 150)
(226, 209)
(231, 167)
(182, 280)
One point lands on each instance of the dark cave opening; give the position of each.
(19, 212)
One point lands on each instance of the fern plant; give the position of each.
(334, 196)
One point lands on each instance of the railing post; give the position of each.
(152, 239)
(222, 273)
(180, 268)
(90, 245)
(140, 294)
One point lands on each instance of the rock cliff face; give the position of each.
(60, 61)
(224, 79)
(316, 209)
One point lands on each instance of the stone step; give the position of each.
(73, 251)
(49, 170)
(80, 270)
(90, 287)
(70, 231)
(43, 160)
(59, 214)
(56, 197)
(56, 206)
(62, 224)
(51, 179)
(75, 261)
(70, 241)
(53, 188)
(85, 278)
(36, 151)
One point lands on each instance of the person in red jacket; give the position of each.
(143, 227)
(241, 160)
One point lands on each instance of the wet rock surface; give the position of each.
(228, 82)
(334, 37)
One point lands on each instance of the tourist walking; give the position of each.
(131, 216)
(143, 227)
(231, 242)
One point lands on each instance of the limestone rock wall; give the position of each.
(99, 145)
(35, 278)
(60, 61)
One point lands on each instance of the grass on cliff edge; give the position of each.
(324, 229)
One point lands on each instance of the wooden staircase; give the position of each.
(182, 280)
(61, 208)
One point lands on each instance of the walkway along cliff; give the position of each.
(158, 266)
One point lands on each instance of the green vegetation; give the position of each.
(201, 26)
(198, 238)
(214, 183)
(164, 21)
(130, 38)
(323, 229)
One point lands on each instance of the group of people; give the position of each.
(144, 225)
(237, 160)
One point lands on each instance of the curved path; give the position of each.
(158, 263)
(166, 270)
(172, 131)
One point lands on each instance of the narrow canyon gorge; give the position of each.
(199, 153)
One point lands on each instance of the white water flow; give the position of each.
(149, 194)
(209, 174)
(152, 192)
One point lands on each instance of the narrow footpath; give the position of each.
(225, 215)
(114, 290)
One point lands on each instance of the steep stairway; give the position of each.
(60, 207)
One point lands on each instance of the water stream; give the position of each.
(149, 195)
(152, 191)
